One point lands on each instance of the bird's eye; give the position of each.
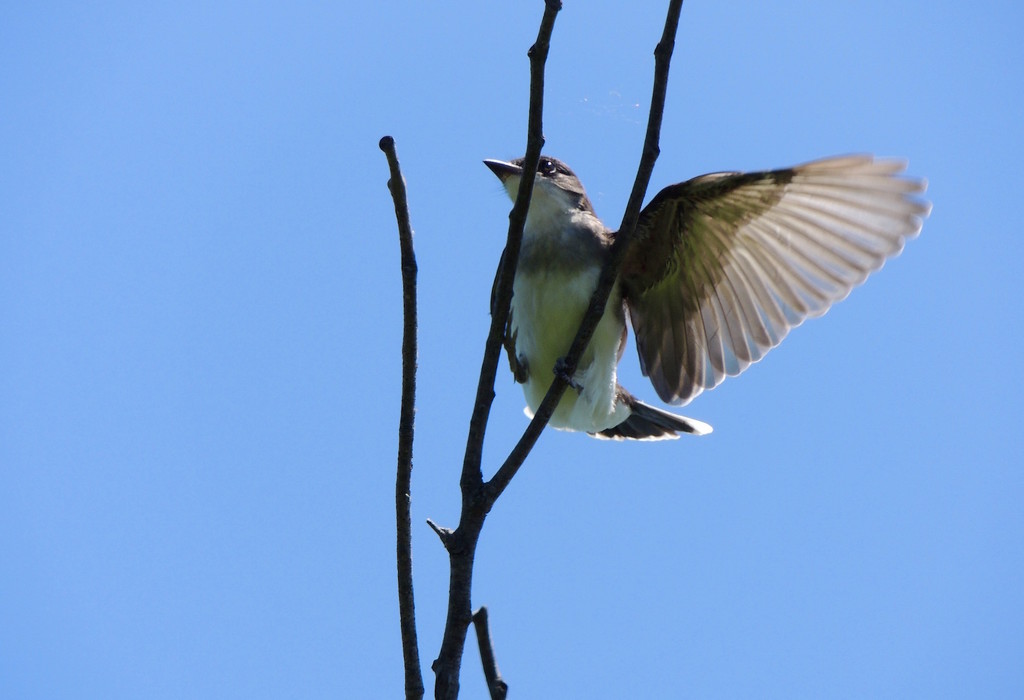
(546, 166)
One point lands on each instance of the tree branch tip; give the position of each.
(442, 532)
(497, 687)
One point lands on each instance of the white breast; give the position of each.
(547, 308)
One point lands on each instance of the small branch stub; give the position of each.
(497, 687)
(445, 534)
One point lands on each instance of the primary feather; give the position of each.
(724, 265)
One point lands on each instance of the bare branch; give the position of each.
(406, 600)
(662, 60)
(444, 533)
(495, 685)
(538, 54)
(475, 503)
(478, 497)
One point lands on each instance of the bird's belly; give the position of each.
(547, 308)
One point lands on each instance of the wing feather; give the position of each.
(724, 265)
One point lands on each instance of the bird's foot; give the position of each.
(564, 372)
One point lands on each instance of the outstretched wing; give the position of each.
(724, 265)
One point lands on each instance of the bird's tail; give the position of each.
(650, 423)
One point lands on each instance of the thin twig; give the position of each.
(444, 533)
(610, 271)
(406, 600)
(495, 685)
(538, 53)
(478, 497)
(461, 545)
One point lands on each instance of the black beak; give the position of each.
(503, 169)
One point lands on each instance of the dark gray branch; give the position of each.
(461, 544)
(538, 54)
(444, 533)
(477, 496)
(406, 601)
(662, 60)
(495, 685)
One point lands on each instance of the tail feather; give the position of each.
(648, 423)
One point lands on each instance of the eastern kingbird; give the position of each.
(721, 267)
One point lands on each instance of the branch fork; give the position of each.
(478, 495)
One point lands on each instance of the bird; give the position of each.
(720, 268)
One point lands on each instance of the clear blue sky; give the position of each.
(201, 314)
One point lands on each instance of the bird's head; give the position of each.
(557, 192)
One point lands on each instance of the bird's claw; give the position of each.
(564, 372)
